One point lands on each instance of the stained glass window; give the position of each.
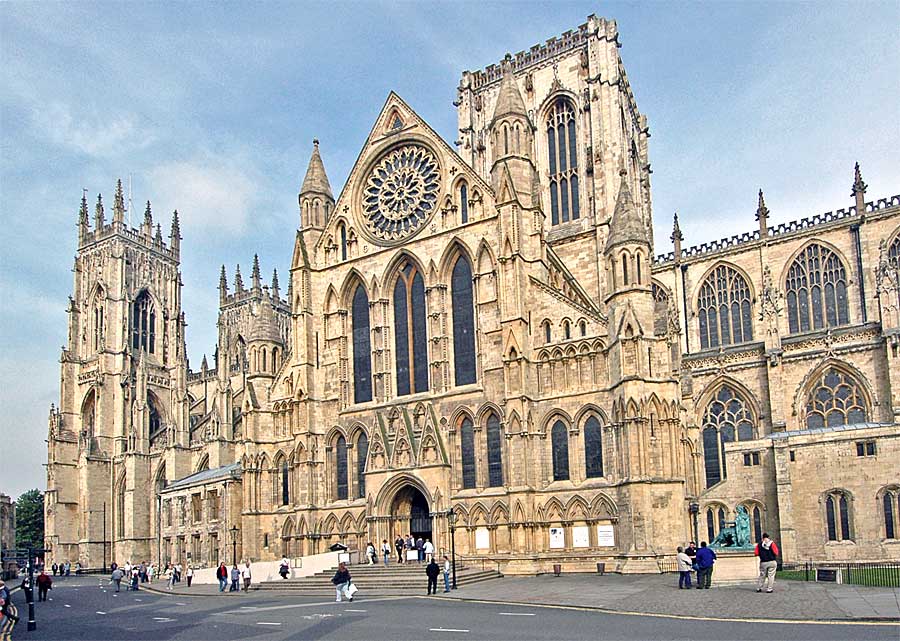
(837, 516)
(835, 399)
(559, 442)
(463, 322)
(887, 502)
(723, 308)
(409, 331)
(340, 466)
(816, 289)
(727, 418)
(830, 521)
(563, 159)
(467, 449)
(494, 452)
(362, 452)
(593, 448)
(362, 347)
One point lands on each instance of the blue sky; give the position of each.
(212, 107)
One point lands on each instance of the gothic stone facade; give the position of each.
(486, 330)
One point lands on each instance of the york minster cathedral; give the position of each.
(481, 333)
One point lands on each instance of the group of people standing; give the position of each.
(64, 569)
(133, 575)
(240, 577)
(701, 560)
(424, 548)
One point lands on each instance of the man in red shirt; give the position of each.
(767, 552)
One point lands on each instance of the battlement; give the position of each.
(794, 226)
(247, 295)
(539, 53)
(133, 235)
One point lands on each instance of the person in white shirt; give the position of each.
(190, 575)
(684, 569)
(245, 575)
(428, 548)
(446, 574)
(284, 568)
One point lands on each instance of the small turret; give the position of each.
(512, 141)
(147, 226)
(626, 226)
(99, 216)
(315, 198)
(223, 286)
(158, 238)
(119, 204)
(276, 292)
(254, 278)
(677, 237)
(175, 233)
(859, 191)
(762, 215)
(84, 225)
(238, 281)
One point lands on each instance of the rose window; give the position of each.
(401, 192)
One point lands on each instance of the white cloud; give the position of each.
(89, 133)
(210, 193)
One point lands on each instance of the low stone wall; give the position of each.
(268, 570)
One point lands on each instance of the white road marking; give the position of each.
(248, 607)
(515, 614)
(163, 619)
(445, 630)
(304, 605)
(181, 604)
(266, 623)
(349, 610)
(138, 600)
(66, 605)
(99, 612)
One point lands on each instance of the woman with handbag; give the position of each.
(341, 581)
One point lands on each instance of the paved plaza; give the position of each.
(540, 608)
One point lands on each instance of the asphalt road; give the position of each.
(86, 609)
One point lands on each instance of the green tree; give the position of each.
(30, 519)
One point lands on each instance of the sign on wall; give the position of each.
(557, 538)
(482, 539)
(606, 536)
(581, 536)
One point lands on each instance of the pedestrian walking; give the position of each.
(235, 579)
(170, 584)
(116, 578)
(432, 570)
(409, 544)
(151, 570)
(385, 551)
(9, 615)
(447, 568)
(767, 552)
(135, 578)
(189, 575)
(178, 573)
(245, 575)
(222, 576)
(341, 582)
(684, 569)
(428, 550)
(420, 549)
(68, 567)
(370, 553)
(55, 568)
(44, 584)
(398, 545)
(284, 568)
(706, 557)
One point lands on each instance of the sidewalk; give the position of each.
(198, 589)
(659, 594)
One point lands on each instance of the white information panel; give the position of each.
(482, 539)
(606, 536)
(412, 555)
(557, 538)
(581, 536)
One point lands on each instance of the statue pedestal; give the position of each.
(735, 566)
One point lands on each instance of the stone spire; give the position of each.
(223, 285)
(859, 191)
(762, 215)
(83, 220)
(276, 292)
(99, 215)
(158, 239)
(204, 366)
(254, 278)
(119, 204)
(316, 181)
(626, 225)
(175, 233)
(147, 227)
(509, 99)
(677, 237)
(238, 281)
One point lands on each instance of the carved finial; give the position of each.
(119, 203)
(83, 222)
(275, 289)
(676, 236)
(238, 281)
(255, 274)
(99, 215)
(858, 185)
(158, 238)
(175, 232)
(762, 215)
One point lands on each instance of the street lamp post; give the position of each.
(451, 518)
(694, 509)
(234, 531)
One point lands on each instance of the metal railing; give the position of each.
(880, 574)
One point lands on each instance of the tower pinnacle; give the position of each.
(99, 217)
(762, 215)
(119, 204)
(255, 275)
(677, 237)
(859, 190)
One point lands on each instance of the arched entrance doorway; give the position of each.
(410, 513)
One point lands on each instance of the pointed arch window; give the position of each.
(463, 322)
(143, 324)
(340, 467)
(285, 483)
(567, 330)
(362, 347)
(410, 341)
(710, 525)
(463, 203)
(467, 450)
(836, 398)
(593, 448)
(757, 524)
(362, 453)
(816, 290)
(343, 242)
(120, 509)
(156, 427)
(727, 418)
(724, 309)
(563, 162)
(890, 511)
(98, 319)
(494, 452)
(559, 442)
(548, 332)
(837, 516)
